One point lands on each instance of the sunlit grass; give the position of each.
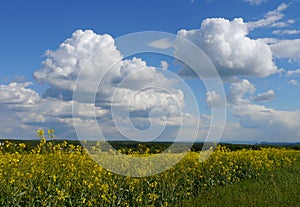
(280, 187)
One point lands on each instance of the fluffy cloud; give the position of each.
(232, 52)
(16, 101)
(26, 111)
(269, 95)
(238, 90)
(289, 49)
(61, 67)
(126, 87)
(18, 94)
(135, 74)
(150, 98)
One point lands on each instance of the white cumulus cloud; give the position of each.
(232, 52)
(61, 67)
(238, 90)
(18, 93)
(123, 85)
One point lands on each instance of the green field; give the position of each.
(279, 188)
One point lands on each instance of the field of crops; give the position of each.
(65, 175)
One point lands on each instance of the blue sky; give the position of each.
(254, 45)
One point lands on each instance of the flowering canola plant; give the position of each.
(65, 175)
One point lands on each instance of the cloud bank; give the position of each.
(150, 95)
(128, 85)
